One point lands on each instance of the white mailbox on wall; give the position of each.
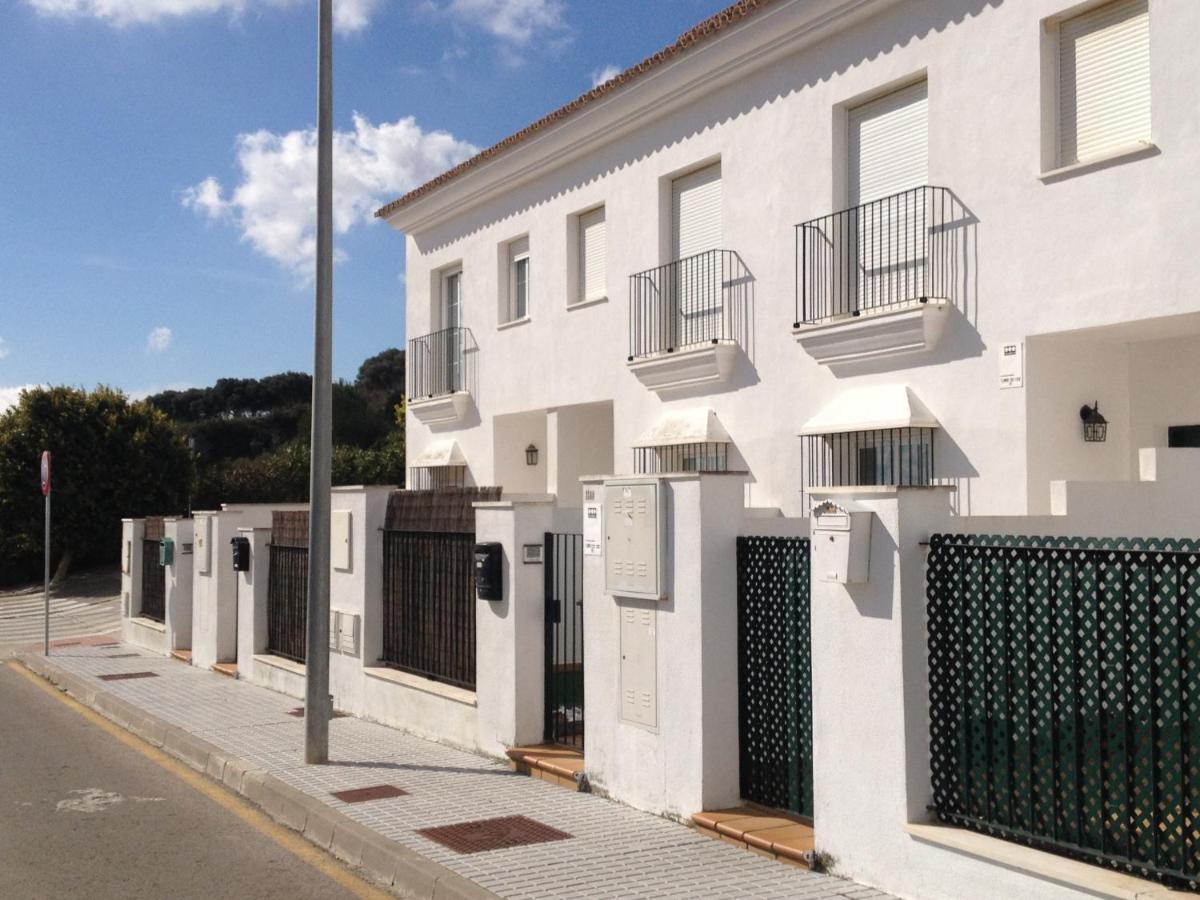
(841, 543)
(634, 539)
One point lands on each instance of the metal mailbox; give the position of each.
(489, 571)
(841, 543)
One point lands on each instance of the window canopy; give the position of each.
(439, 454)
(878, 408)
(685, 426)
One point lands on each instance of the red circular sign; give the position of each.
(45, 472)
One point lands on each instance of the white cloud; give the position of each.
(4, 350)
(609, 72)
(348, 15)
(158, 340)
(516, 21)
(274, 203)
(10, 395)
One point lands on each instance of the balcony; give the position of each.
(876, 280)
(687, 320)
(441, 375)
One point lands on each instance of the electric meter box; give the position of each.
(635, 539)
(841, 544)
(166, 551)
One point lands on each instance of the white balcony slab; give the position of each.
(445, 409)
(891, 331)
(705, 364)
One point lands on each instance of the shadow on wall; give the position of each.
(954, 468)
(816, 64)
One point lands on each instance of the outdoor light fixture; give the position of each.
(1095, 426)
(531, 455)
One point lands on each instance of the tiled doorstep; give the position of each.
(764, 832)
(241, 734)
(560, 766)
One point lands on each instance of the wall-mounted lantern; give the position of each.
(531, 455)
(1095, 426)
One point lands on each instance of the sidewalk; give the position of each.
(247, 737)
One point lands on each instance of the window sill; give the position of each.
(1113, 157)
(425, 685)
(1091, 879)
(524, 320)
(593, 301)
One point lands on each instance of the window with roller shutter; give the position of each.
(593, 256)
(1103, 81)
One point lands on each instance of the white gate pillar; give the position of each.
(510, 633)
(178, 605)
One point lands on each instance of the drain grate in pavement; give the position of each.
(376, 792)
(121, 676)
(123, 656)
(492, 834)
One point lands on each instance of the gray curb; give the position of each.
(407, 872)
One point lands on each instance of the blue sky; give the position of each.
(157, 166)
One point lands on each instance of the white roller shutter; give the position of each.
(696, 212)
(593, 255)
(1104, 80)
(889, 144)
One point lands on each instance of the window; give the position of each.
(1103, 81)
(891, 456)
(592, 256)
(708, 456)
(517, 306)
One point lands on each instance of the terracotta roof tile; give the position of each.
(690, 38)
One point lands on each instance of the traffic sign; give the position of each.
(45, 473)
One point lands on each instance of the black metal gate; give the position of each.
(154, 583)
(287, 602)
(564, 639)
(429, 605)
(775, 672)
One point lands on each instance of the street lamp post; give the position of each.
(316, 697)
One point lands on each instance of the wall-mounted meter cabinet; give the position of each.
(240, 553)
(841, 543)
(635, 542)
(166, 551)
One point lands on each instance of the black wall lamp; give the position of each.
(531, 455)
(1095, 426)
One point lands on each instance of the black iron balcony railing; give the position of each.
(441, 363)
(891, 251)
(701, 299)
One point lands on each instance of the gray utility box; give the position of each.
(841, 543)
(635, 539)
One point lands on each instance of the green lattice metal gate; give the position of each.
(1064, 682)
(775, 673)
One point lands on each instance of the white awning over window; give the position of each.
(872, 409)
(438, 455)
(685, 426)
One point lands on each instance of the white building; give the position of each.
(918, 274)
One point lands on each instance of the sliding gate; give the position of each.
(775, 672)
(563, 567)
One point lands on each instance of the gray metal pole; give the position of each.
(46, 580)
(316, 699)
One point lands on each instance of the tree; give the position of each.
(113, 459)
(381, 378)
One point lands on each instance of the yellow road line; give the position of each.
(259, 821)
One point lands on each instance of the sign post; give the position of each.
(46, 584)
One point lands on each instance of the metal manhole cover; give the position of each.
(121, 676)
(376, 792)
(492, 834)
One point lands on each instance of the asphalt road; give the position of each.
(87, 603)
(83, 815)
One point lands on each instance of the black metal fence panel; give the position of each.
(154, 583)
(287, 602)
(429, 605)
(563, 572)
(1064, 688)
(703, 299)
(775, 672)
(898, 249)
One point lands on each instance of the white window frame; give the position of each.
(443, 318)
(578, 287)
(516, 255)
